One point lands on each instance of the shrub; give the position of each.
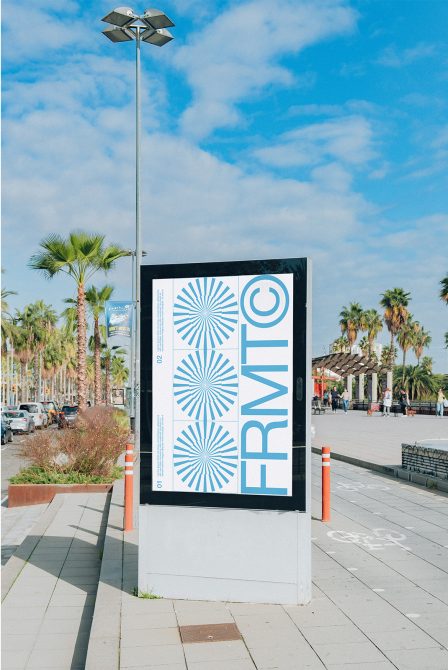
(91, 448)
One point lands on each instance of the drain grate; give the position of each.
(217, 632)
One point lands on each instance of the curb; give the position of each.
(18, 560)
(434, 483)
(104, 643)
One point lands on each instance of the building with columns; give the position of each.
(349, 366)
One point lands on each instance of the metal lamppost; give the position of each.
(149, 27)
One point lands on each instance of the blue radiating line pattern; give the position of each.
(205, 312)
(205, 385)
(205, 457)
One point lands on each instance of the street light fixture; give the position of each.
(148, 27)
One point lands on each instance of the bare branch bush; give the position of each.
(92, 447)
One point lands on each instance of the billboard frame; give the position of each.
(298, 267)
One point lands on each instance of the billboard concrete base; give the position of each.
(239, 555)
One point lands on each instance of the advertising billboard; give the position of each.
(223, 387)
(118, 315)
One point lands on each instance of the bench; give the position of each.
(318, 408)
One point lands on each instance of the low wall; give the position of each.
(425, 459)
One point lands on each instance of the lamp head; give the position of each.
(155, 18)
(157, 37)
(121, 16)
(118, 34)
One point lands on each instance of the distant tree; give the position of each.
(373, 324)
(340, 345)
(352, 321)
(395, 302)
(444, 290)
(96, 299)
(422, 341)
(406, 338)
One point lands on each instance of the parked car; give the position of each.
(67, 416)
(6, 431)
(52, 409)
(20, 421)
(37, 412)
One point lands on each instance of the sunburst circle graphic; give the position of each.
(205, 457)
(205, 312)
(205, 385)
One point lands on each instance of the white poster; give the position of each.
(222, 384)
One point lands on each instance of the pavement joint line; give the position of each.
(380, 559)
(19, 559)
(382, 598)
(396, 508)
(393, 471)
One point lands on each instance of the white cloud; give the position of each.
(393, 57)
(349, 140)
(240, 52)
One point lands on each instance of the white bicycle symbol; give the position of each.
(379, 539)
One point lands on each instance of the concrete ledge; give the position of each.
(396, 471)
(18, 560)
(104, 644)
(22, 495)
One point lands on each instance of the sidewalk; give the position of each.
(47, 613)
(375, 439)
(380, 595)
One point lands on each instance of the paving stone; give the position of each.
(215, 651)
(151, 655)
(146, 637)
(351, 652)
(239, 664)
(333, 635)
(419, 659)
(162, 620)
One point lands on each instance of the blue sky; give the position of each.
(270, 129)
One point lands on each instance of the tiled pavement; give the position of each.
(17, 522)
(375, 439)
(47, 614)
(380, 594)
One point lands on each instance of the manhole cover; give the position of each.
(217, 632)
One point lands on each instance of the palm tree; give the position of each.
(406, 339)
(422, 341)
(37, 321)
(7, 322)
(340, 345)
(79, 256)
(119, 371)
(351, 321)
(395, 302)
(373, 324)
(96, 299)
(444, 289)
(364, 345)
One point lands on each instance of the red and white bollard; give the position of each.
(129, 487)
(326, 483)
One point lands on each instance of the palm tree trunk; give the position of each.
(404, 361)
(97, 361)
(82, 358)
(107, 368)
(36, 374)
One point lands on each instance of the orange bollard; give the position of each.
(325, 483)
(129, 487)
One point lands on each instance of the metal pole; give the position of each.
(138, 248)
(132, 362)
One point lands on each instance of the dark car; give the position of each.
(6, 431)
(67, 416)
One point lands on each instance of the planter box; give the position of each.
(20, 495)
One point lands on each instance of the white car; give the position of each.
(37, 411)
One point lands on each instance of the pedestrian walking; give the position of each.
(442, 402)
(404, 402)
(387, 401)
(345, 400)
(326, 398)
(334, 400)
